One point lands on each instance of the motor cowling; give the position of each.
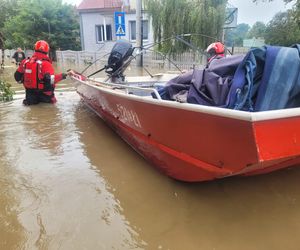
(119, 55)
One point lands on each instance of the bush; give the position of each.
(6, 94)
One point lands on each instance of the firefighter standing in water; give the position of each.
(38, 77)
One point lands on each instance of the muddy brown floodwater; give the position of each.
(67, 181)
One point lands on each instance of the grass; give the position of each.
(6, 94)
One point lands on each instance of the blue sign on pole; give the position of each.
(120, 23)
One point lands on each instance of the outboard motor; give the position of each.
(119, 59)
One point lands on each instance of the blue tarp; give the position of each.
(266, 78)
(208, 86)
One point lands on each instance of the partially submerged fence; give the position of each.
(8, 53)
(151, 59)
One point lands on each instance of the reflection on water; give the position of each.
(58, 198)
(67, 181)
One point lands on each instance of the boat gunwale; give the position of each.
(217, 111)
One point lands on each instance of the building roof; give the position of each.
(99, 4)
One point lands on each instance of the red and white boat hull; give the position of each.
(197, 143)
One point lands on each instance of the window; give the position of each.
(100, 33)
(108, 32)
(132, 25)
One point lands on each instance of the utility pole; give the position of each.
(49, 31)
(139, 38)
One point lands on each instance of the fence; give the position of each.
(151, 59)
(240, 50)
(8, 53)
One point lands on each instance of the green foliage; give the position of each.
(235, 37)
(175, 17)
(283, 30)
(49, 20)
(8, 8)
(257, 30)
(6, 94)
(296, 12)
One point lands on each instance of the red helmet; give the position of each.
(41, 46)
(216, 48)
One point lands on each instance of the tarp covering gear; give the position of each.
(209, 86)
(266, 78)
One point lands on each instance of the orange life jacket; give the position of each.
(33, 77)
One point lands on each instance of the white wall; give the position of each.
(88, 21)
(132, 17)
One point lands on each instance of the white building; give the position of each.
(98, 27)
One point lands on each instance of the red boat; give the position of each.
(192, 142)
(228, 142)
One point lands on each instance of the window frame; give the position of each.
(131, 22)
(99, 30)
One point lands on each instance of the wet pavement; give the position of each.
(67, 181)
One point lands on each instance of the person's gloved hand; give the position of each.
(64, 75)
(70, 72)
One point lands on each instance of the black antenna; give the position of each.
(165, 57)
(179, 38)
(94, 62)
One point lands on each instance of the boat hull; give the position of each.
(196, 144)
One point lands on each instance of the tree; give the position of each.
(284, 27)
(49, 20)
(175, 17)
(257, 30)
(8, 8)
(283, 30)
(235, 37)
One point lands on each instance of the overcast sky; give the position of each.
(76, 2)
(248, 12)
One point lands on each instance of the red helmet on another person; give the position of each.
(41, 46)
(215, 49)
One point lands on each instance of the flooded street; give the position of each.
(67, 181)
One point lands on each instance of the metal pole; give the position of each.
(223, 36)
(49, 31)
(139, 58)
